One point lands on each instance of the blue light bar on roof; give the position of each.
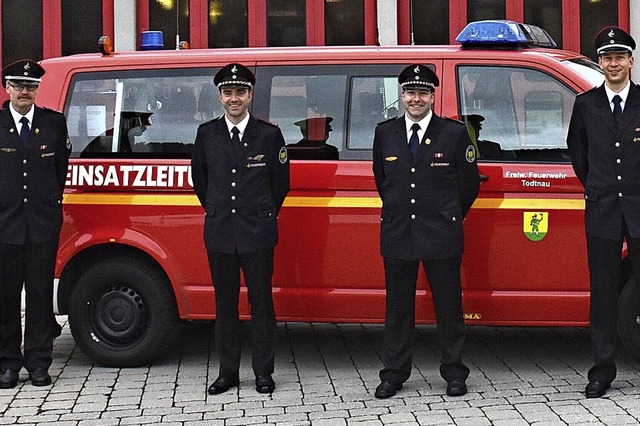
(503, 34)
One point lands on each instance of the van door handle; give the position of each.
(484, 178)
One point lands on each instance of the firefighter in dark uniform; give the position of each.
(604, 144)
(34, 155)
(427, 177)
(240, 174)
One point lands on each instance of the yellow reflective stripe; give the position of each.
(132, 200)
(480, 203)
(333, 202)
(348, 202)
(529, 203)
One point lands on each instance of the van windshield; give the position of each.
(588, 69)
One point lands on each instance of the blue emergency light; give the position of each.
(501, 34)
(151, 40)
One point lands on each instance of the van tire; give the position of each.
(123, 313)
(629, 317)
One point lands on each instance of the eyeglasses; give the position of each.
(21, 87)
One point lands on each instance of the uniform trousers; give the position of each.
(604, 257)
(31, 264)
(257, 269)
(399, 329)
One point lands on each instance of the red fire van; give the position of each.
(132, 262)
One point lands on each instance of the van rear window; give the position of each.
(140, 114)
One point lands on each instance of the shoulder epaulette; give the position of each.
(267, 122)
(387, 120)
(210, 121)
(52, 110)
(454, 120)
(589, 91)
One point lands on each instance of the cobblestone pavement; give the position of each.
(326, 375)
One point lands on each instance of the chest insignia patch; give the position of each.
(282, 155)
(470, 153)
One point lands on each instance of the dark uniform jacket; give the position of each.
(606, 159)
(425, 200)
(241, 190)
(32, 178)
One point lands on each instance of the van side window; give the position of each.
(310, 112)
(373, 99)
(515, 114)
(139, 114)
(327, 112)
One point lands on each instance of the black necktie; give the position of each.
(617, 109)
(25, 133)
(413, 140)
(235, 139)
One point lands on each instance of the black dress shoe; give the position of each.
(40, 377)
(387, 389)
(456, 387)
(8, 378)
(222, 384)
(265, 384)
(596, 389)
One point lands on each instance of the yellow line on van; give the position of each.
(347, 202)
(320, 202)
(529, 203)
(132, 200)
(480, 203)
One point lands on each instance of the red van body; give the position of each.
(132, 261)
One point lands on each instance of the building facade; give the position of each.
(48, 28)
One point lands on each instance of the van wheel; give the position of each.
(629, 317)
(123, 313)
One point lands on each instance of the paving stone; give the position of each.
(290, 417)
(510, 422)
(140, 420)
(98, 422)
(473, 421)
(324, 415)
(246, 420)
(122, 413)
(312, 408)
(373, 411)
(330, 422)
(436, 417)
(398, 418)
